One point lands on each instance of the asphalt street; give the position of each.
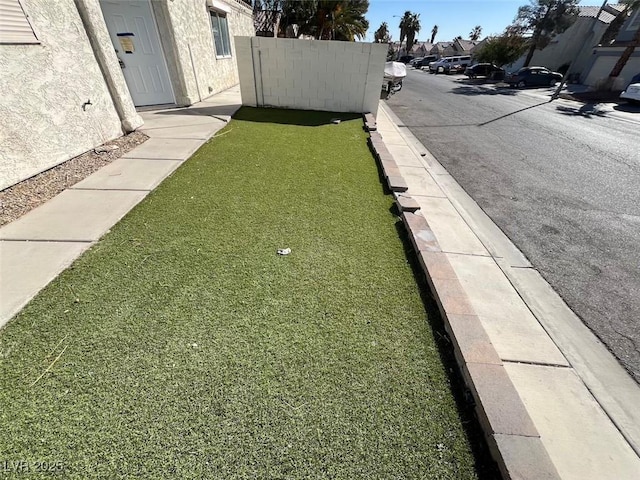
(561, 179)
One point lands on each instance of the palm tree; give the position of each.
(475, 33)
(631, 5)
(403, 21)
(409, 26)
(328, 19)
(434, 32)
(382, 34)
(342, 19)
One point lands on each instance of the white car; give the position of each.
(632, 93)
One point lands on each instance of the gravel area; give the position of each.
(23, 197)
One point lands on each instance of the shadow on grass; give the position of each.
(306, 118)
(485, 466)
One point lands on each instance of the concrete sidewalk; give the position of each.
(38, 246)
(553, 402)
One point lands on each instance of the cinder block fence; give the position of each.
(310, 74)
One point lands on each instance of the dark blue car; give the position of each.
(533, 77)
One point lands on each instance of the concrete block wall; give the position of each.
(310, 74)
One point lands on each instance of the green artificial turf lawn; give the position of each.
(187, 348)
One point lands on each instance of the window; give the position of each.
(14, 24)
(220, 29)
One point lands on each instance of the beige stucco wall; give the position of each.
(187, 39)
(311, 74)
(603, 65)
(43, 88)
(565, 46)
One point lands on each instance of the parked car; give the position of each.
(632, 93)
(533, 76)
(445, 64)
(414, 61)
(425, 61)
(405, 58)
(488, 70)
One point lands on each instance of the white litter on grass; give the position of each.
(335, 121)
(284, 251)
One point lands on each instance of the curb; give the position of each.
(514, 441)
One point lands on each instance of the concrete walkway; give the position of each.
(553, 402)
(37, 247)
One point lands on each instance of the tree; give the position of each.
(382, 34)
(434, 32)
(475, 33)
(266, 14)
(544, 19)
(403, 22)
(409, 27)
(504, 49)
(635, 42)
(328, 19)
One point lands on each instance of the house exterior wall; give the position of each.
(604, 62)
(603, 59)
(311, 74)
(630, 27)
(564, 48)
(187, 40)
(44, 86)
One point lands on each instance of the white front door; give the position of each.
(137, 43)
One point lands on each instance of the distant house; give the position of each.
(420, 49)
(464, 47)
(604, 57)
(443, 49)
(74, 71)
(576, 43)
(451, 49)
(478, 46)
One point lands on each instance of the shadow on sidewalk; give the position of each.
(205, 111)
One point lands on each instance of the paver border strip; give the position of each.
(514, 441)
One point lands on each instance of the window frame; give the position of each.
(222, 24)
(34, 41)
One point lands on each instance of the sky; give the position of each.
(453, 17)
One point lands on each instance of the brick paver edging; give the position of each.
(512, 437)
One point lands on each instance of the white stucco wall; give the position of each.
(192, 47)
(565, 46)
(311, 74)
(43, 88)
(603, 65)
